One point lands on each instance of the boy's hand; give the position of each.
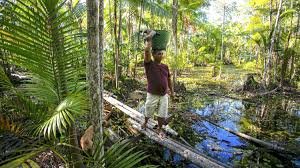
(149, 35)
(172, 95)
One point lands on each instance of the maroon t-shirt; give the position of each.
(157, 78)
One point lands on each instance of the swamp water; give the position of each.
(271, 120)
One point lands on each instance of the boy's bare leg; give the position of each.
(161, 122)
(145, 123)
(167, 120)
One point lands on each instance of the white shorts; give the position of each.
(152, 101)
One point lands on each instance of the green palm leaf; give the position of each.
(118, 155)
(155, 7)
(5, 83)
(44, 41)
(20, 161)
(63, 115)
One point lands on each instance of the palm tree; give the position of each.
(42, 43)
(46, 43)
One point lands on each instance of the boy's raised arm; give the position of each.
(148, 45)
(147, 51)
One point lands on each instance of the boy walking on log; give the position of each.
(158, 83)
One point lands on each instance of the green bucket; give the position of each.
(160, 40)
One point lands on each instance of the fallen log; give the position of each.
(185, 151)
(265, 93)
(268, 145)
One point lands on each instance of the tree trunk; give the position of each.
(222, 38)
(119, 41)
(271, 13)
(297, 34)
(129, 41)
(93, 65)
(286, 57)
(268, 66)
(75, 152)
(110, 19)
(138, 41)
(174, 28)
(116, 44)
(99, 117)
(256, 55)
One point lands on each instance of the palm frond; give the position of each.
(287, 13)
(23, 161)
(79, 10)
(63, 115)
(5, 83)
(156, 8)
(25, 152)
(42, 41)
(118, 155)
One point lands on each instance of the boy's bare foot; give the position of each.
(161, 134)
(144, 126)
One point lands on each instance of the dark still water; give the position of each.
(272, 120)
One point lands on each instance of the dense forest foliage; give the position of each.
(47, 71)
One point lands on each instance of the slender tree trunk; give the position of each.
(276, 54)
(93, 65)
(116, 44)
(99, 117)
(75, 153)
(271, 13)
(266, 57)
(297, 34)
(152, 17)
(129, 42)
(119, 40)
(268, 67)
(222, 38)
(174, 28)
(110, 19)
(286, 56)
(256, 55)
(138, 41)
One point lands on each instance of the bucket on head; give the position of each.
(160, 40)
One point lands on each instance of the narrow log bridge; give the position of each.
(136, 118)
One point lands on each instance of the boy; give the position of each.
(158, 83)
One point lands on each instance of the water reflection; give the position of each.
(273, 120)
(220, 144)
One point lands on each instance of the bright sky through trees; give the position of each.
(215, 11)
